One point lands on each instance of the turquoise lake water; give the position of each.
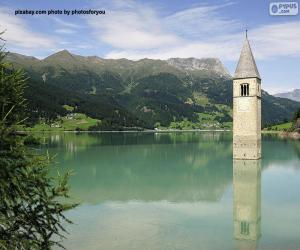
(177, 191)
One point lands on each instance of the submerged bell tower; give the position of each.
(246, 107)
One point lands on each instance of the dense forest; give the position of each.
(137, 94)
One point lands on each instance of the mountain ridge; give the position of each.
(142, 93)
(292, 95)
(190, 63)
(193, 63)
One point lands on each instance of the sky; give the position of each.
(161, 30)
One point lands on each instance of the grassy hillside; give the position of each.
(70, 122)
(123, 93)
(280, 127)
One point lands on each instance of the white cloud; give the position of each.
(84, 46)
(18, 34)
(65, 23)
(133, 27)
(21, 37)
(189, 49)
(65, 31)
(202, 20)
(134, 30)
(277, 40)
(267, 41)
(137, 31)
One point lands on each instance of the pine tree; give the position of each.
(31, 201)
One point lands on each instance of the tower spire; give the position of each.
(246, 67)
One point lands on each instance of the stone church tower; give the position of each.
(246, 107)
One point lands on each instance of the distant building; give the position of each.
(55, 125)
(246, 107)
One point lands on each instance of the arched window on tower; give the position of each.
(244, 89)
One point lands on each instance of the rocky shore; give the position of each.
(291, 135)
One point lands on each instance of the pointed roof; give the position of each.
(246, 67)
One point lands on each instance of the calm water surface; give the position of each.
(177, 191)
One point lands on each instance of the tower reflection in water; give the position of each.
(247, 203)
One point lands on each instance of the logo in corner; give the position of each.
(283, 8)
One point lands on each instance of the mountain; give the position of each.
(212, 66)
(293, 95)
(125, 93)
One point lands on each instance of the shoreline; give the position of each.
(148, 131)
(129, 131)
(281, 134)
(289, 135)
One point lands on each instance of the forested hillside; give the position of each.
(177, 93)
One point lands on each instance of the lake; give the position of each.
(179, 191)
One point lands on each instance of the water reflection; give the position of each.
(159, 167)
(173, 191)
(151, 167)
(247, 203)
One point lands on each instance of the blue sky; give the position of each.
(160, 30)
